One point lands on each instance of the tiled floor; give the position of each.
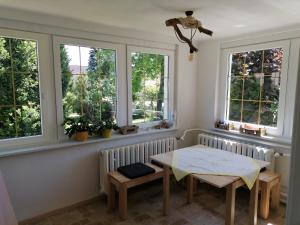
(145, 203)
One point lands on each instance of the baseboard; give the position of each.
(60, 210)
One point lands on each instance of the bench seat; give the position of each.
(270, 192)
(119, 182)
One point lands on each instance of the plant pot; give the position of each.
(81, 135)
(107, 133)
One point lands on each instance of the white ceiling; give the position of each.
(225, 17)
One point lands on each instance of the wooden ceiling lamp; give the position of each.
(188, 22)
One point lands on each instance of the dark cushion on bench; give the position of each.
(157, 163)
(135, 170)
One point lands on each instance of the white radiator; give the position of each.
(111, 159)
(256, 152)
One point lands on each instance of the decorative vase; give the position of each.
(107, 133)
(81, 135)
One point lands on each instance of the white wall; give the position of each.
(208, 72)
(47, 180)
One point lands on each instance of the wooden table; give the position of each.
(231, 183)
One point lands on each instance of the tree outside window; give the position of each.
(255, 86)
(20, 113)
(88, 81)
(149, 87)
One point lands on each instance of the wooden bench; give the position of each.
(270, 192)
(119, 182)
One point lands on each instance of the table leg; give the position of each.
(166, 190)
(190, 188)
(230, 204)
(253, 203)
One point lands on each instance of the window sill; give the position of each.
(70, 143)
(280, 145)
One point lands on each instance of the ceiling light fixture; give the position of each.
(188, 22)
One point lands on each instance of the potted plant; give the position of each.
(105, 127)
(78, 126)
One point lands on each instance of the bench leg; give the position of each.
(275, 195)
(190, 189)
(111, 197)
(123, 202)
(264, 200)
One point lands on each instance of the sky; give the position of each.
(73, 53)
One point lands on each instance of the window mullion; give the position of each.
(13, 87)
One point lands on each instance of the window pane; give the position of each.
(24, 55)
(5, 59)
(28, 120)
(149, 87)
(254, 62)
(250, 112)
(236, 88)
(255, 82)
(237, 63)
(7, 123)
(268, 114)
(27, 89)
(19, 88)
(88, 81)
(273, 60)
(271, 88)
(6, 89)
(252, 88)
(235, 110)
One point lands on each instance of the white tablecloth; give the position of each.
(200, 159)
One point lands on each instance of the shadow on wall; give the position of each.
(7, 215)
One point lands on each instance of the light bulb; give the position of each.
(191, 57)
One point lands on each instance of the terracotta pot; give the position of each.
(107, 133)
(81, 135)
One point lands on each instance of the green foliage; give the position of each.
(105, 124)
(101, 83)
(255, 85)
(20, 114)
(65, 71)
(147, 84)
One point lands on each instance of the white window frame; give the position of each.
(48, 122)
(170, 54)
(224, 82)
(120, 79)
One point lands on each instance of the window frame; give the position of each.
(224, 83)
(48, 125)
(170, 54)
(120, 76)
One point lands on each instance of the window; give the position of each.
(20, 110)
(88, 77)
(150, 86)
(253, 88)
